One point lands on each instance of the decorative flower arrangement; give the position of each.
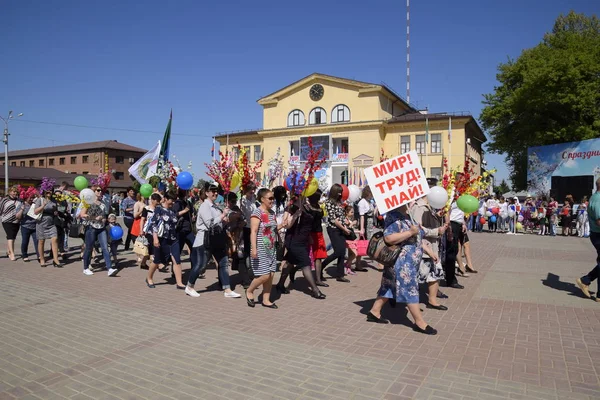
(275, 168)
(246, 172)
(68, 197)
(47, 184)
(222, 170)
(102, 180)
(383, 157)
(25, 193)
(168, 174)
(314, 161)
(466, 183)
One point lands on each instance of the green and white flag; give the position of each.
(145, 167)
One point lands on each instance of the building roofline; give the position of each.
(382, 85)
(104, 144)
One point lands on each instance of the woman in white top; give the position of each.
(210, 217)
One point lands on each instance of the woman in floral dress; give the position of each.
(263, 252)
(402, 281)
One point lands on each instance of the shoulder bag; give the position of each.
(31, 213)
(381, 252)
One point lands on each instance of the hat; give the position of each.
(112, 216)
(210, 186)
(515, 198)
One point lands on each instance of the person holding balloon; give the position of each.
(336, 230)
(93, 216)
(114, 233)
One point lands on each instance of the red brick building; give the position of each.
(82, 159)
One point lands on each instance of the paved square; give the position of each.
(519, 330)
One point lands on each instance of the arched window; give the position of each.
(340, 113)
(317, 116)
(296, 118)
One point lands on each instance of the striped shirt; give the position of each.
(8, 209)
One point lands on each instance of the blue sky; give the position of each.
(125, 64)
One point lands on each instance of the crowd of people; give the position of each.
(261, 232)
(541, 215)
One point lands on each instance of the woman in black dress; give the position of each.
(297, 242)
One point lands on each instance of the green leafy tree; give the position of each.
(550, 94)
(502, 188)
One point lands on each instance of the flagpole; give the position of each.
(450, 142)
(426, 144)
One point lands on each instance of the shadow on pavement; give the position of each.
(554, 282)
(397, 314)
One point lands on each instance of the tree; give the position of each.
(502, 188)
(550, 94)
(200, 183)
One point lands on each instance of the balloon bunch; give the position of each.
(275, 168)
(25, 193)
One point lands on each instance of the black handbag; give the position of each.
(279, 247)
(77, 231)
(351, 236)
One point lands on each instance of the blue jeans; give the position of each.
(593, 274)
(27, 233)
(199, 260)
(91, 235)
(511, 224)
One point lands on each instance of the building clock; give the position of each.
(316, 92)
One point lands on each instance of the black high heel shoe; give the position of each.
(57, 265)
(319, 295)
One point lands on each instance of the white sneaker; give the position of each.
(191, 292)
(232, 295)
(112, 272)
(88, 272)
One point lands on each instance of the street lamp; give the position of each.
(6, 121)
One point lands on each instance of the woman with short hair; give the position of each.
(10, 222)
(164, 240)
(210, 218)
(263, 251)
(94, 218)
(45, 228)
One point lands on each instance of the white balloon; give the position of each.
(87, 195)
(503, 215)
(511, 213)
(437, 197)
(488, 213)
(353, 193)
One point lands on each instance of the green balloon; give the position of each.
(146, 190)
(80, 183)
(467, 203)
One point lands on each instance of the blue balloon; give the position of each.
(493, 219)
(185, 180)
(116, 232)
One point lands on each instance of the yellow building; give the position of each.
(354, 122)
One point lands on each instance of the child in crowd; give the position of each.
(542, 218)
(350, 223)
(113, 244)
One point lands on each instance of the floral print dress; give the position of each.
(402, 281)
(265, 243)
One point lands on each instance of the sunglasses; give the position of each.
(98, 190)
(270, 198)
